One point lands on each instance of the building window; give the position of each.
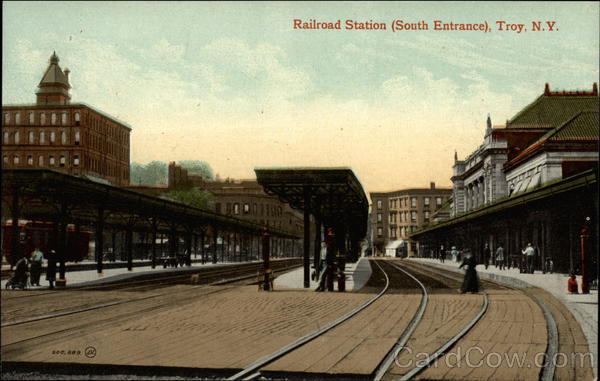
(31, 118)
(40, 160)
(29, 160)
(15, 160)
(379, 216)
(236, 208)
(17, 137)
(378, 204)
(52, 136)
(77, 137)
(63, 160)
(413, 202)
(5, 159)
(427, 215)
(63, 137)
(379, 232)
(63, 118)
(18, 118)
(246, 208)
(76, 160)
(426, 201)
(53, 118)
(413, 216)
(5, 137)
(77, 120)
(42, 118)
(438, 201)
(51, 160)
(6, 118)
(42, 137)
(31, 138)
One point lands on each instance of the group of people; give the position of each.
(29, 269)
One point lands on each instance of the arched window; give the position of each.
(31, 118)
(5, 159)
(63, 137)
(53, 118)
(42, 137)
(52, 136)
(17, 137)
(63, 118)
(76, 160)
(16, 160)
(77, 137)
(63, 160)
(5, 137)
(31, 137)
(51, 160)
(6, 117)
(29, 160)
(17, 118)
(40, 160)
(42, 118)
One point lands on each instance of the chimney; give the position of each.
(595, 89)
(547, 89)
(432, 185)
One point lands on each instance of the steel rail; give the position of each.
(549, 368)
(118, 302)
(408, 331)
(441, 350)
(250, 369)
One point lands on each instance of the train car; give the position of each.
(44, 235)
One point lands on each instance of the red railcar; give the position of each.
(44, 235)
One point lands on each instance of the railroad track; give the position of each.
(211, 278)
(252, 371)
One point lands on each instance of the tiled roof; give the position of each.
(583, 126)
(551, 111)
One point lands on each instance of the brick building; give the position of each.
(54, 133)
(243, 199)
(396, 214)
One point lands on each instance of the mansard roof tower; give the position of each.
(54, 86)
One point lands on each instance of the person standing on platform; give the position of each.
(454, 254)
(37, 257)
(471, 280)
(486, 256)
(51, 268)
(442, 254)
(529, 254)
(500, 257)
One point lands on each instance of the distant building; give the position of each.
(557, 129)
(396, 214)
(70, 137)
(244, 199)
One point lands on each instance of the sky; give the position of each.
(235, 85)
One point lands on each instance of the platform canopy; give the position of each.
(333, 195)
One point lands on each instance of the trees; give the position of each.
(153, 173)
(196, 197)
(197, 167)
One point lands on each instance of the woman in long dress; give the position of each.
(471, 280)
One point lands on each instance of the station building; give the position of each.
(74, 138)
(395, 215)
(533, 180)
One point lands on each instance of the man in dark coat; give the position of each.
(486, 256)
(51, 269)
(471, 280)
